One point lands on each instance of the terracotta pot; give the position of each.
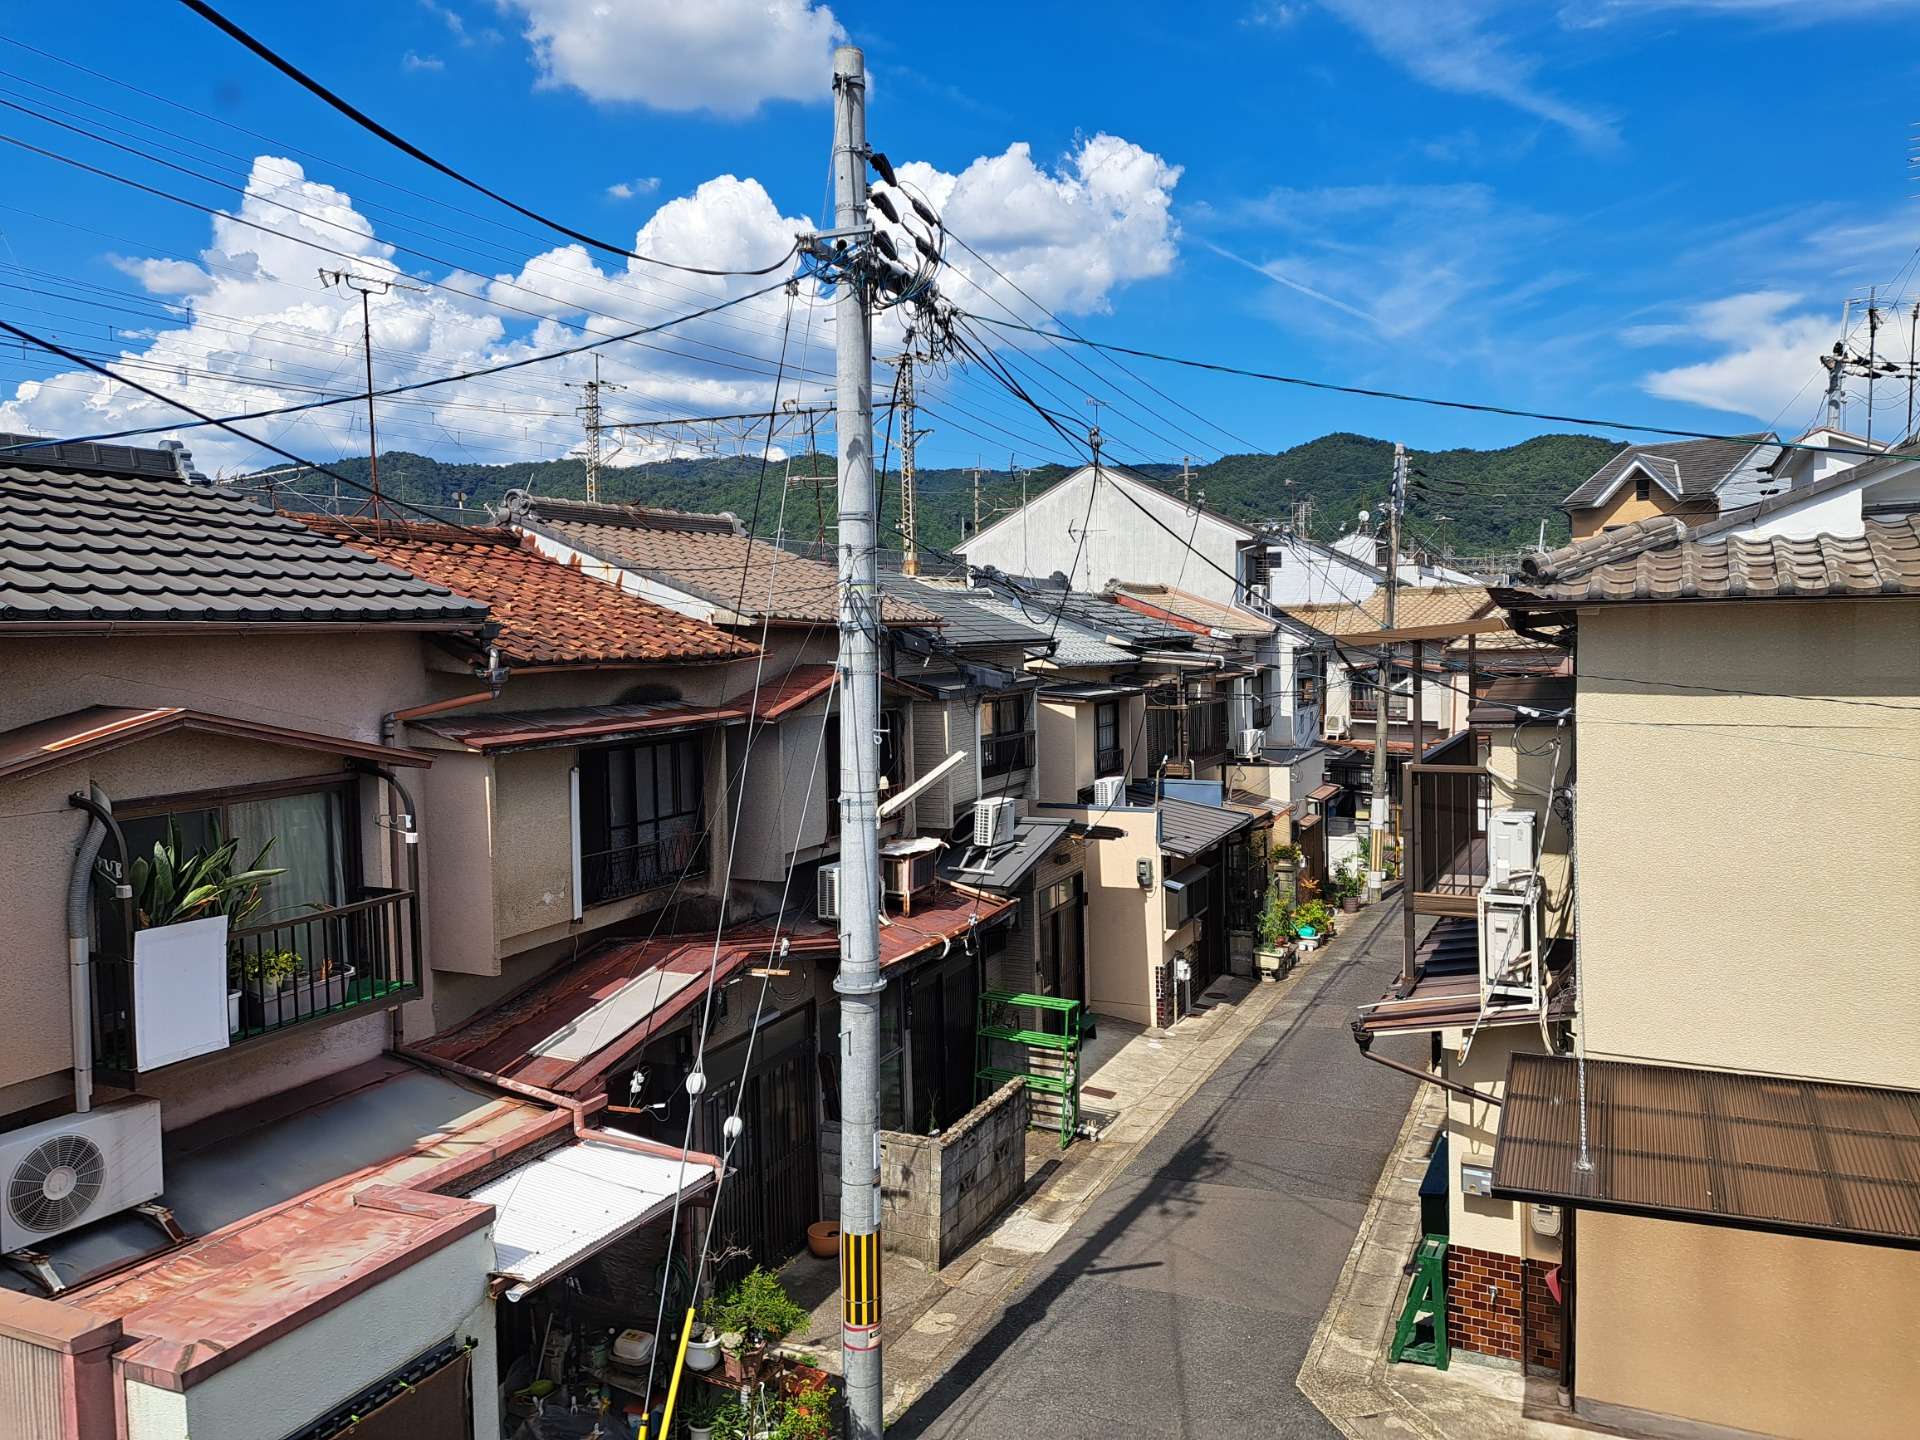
(743, 1365)
(823, 1238)
(1351, 904)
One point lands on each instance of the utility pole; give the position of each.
(976, 484)
(858, 984)
(1383, 687)
(910, 558)
(365, 287)
(589, 412)
(1186, 479)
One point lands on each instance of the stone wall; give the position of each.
(1500, 1305)
(938, 1192)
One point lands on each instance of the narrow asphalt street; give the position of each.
(1183, 1302)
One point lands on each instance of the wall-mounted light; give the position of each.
(1143, 872)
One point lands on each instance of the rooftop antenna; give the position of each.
(366, 286)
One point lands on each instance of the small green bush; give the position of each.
(758, 1308)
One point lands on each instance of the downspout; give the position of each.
(1452, 1087)
(79, 940)
(409, 829)
(495, 675)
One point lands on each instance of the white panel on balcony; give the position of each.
(180, 991)
(554, 1212)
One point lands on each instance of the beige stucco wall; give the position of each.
(1473, 1126)
(1066, 748)
(1773, 1334)
(1747, 861)
(1126, 930)
(1624, 509)
(338, 685)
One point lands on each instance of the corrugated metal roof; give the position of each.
(1767, 1152)
(498, 731)
(968, 622)
(553, 1212)
(1196, 609)
(1188, 829)
(1006, 867)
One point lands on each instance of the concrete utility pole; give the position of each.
(589, 412)
(859, 984)
(1383, 688)
(365, 287)
(910, 559)
(1186, 479)
(976, 487)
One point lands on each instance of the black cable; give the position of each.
(99, 369)
(367, 122)
(224, 423)
(1365, 392)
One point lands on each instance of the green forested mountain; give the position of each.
(1473, 501)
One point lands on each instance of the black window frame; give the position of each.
(624, 858)
(1643, 487)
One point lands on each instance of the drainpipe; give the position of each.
(1452, 1087)
(495, 675)
(79, 942)
(410, 836)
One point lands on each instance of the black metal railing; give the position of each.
(281, 974)
(1109, 762)
(608, 875)
(1207, 727)
(1003, 754)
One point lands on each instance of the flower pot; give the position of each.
(743, 1365)
(298, 998)
(233, 1012)
(703, 1355)
(699, 1432)
(1350, 904)
(1271, 964)
(823, 1238)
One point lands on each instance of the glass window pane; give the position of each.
(307, 839)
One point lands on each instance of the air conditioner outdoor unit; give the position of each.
(993, 822)
(1509, 845)
(65, 1172)
(826, 892)
(1338, 729)
(1252, 741)
(1108, 791)
(907, 868)
(1510, 972)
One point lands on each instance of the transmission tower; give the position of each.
(589, 412)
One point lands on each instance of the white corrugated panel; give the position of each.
(553, 1212)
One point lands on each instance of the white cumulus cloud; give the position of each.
(728, 56)
(1769, 344)
(627, 189)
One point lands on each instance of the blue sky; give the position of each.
(1629, 208)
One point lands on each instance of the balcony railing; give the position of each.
(1110, 762)
(1003, 754)
(626, 870)
(1207, 728)
(1446, 843)
(281, 974)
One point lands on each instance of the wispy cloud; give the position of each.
(414, 60)
(1461, 48)
(629, 189)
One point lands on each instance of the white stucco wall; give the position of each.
(1120, 542)
(307, 1372)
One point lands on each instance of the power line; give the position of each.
(368, 123)
(1365, 392)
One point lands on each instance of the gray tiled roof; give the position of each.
(1660, 560)
(969, 622)
(1187, 829)
(1690, 469)
(79, 549)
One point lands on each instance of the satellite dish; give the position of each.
(1365, 516)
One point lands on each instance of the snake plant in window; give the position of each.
(174, 884)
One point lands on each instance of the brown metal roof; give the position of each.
(62, 739)
(1763, 1152)
(1549, 694)
(505, 730)
(1325, 792)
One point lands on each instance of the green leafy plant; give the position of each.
(175, 885)
(1276, 921)
(806, 1414)
(274, 969)
(728, 1419)
(1287, 854)
(1313, 915)
(758, 1308)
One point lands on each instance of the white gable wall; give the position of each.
(1120, 542)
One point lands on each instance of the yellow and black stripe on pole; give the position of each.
(860, 1288)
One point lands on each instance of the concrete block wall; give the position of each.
(939, 1192)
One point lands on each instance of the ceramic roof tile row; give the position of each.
(968, 621)
(1198, 609)
(1668, 565)
(78, 547)
(703, 556)
(1416, 605)
(548, 613)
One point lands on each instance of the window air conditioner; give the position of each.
(1510, 971)
(1108, 791)
(993, 822)
(907, 868)
(826, 894)
(66, 1172)
(1252, 741)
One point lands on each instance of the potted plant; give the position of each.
(703, 1408)
(1276, 936)
(283, 985)
(183, 905)
(806, 1412)
(1349, 883)
(751, 1316)
(1312, 923)
(727, 1419)
(703, 1348)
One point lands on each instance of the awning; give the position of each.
(63, 739)
(553, 1212)
(1187, 875)
(503, 731)
(1324, 793)
(1761, 1152)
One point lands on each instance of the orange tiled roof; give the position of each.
(548, 613)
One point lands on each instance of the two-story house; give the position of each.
(1693, 1131)
(1693, 480)
(219, 1165)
